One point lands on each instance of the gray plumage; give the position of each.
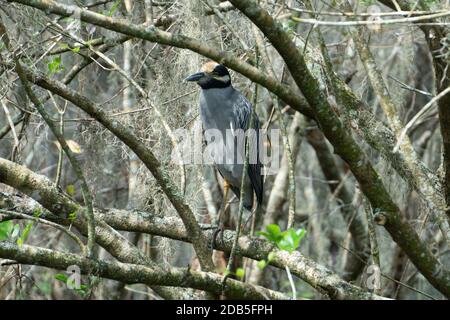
(226, 113)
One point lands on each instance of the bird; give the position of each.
(225, 110)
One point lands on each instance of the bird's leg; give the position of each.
(221, 218)
(244, 225)
(226, 188)
(251, 217)
(222, 214)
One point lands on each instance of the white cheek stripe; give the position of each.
(225, 78)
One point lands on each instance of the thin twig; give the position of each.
(74, 162)
(374, 249)
(72, 235)
(418, 115)
(243, 178)
(61, 129)
(385, 275)
(16, 120)
(364, 14)
(373, 22)
(291, 281)
(10, 122)
(226, 23)
(405, 86)
(290, 161)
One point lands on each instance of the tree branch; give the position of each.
(435, 35)
(47, 194)
(132, 273)
(408, 153)
(16, 120)
(360, 117)
(87, 197)
(152, 163)
(318, 276)
(153, 34)
(354, 264)
(344, 145)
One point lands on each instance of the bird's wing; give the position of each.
(242, 110)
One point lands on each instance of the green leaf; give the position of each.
(76, 50)
(61, 277)
(288, 240)
(284, 245)
(273, 229)
(291, 239)
(273, 233)
(54, 66)
(26, 231)
(306, 295)
(240, 273)
(261, 264)
(72, 216)
(83, 288)
(300, 235)
(114, 8)
(270, 256)
(70, 189)
(263, 234)
(37, 213)
(292, 24)
(5, 229)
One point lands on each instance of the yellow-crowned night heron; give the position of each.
(226, 111)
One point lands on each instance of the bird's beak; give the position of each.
(195, 77)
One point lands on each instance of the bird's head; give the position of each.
(211, 75)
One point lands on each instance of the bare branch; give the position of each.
(132, 273)
(145, 154)
(344, 145)
(375, 22)
(89, 213)
(318, 276)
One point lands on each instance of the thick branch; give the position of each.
(153, 34)
(50, 197)
(364, 121)
(87, 196)
(408, 153)
(342, 141)
(316, 275)
(357, 115)
(344, 145)
(434, 35)
(152, 163)
(131, 273)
